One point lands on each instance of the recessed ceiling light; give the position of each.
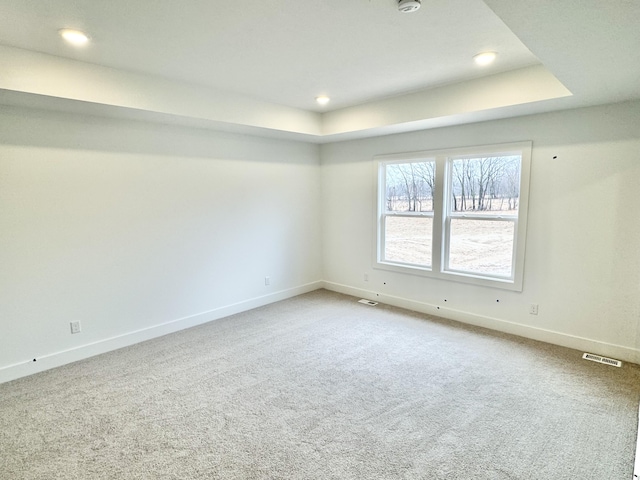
(322, 99)
(484, 58)
(75, 37)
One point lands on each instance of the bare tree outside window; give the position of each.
(410, 187)
(485, 184)
(408, 226)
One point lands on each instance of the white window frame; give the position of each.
(442, 215)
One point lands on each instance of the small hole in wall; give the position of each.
(34, 359)
(498, 301)
(438, 308)
(555, 157)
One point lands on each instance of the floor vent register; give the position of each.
(599, 359)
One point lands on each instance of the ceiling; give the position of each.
(257, 65)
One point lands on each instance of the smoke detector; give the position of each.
(408, 6)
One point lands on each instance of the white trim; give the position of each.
(636, 469)
(409, 214)
(56, 359)
(491, 218)
(627, 354)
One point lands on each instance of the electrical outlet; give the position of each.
(75, 327)
(533, 308)
(267, 281)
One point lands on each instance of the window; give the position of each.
(455, 214)
(408, 212)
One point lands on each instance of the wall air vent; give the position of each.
(599, 359)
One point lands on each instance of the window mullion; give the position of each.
(438, 217)
(381, 219)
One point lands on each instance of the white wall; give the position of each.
(583, 246)
(127, 226)
(140, 229)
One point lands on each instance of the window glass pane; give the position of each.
(409, 187)
(481, 246)
(408, 240)
(486, 185)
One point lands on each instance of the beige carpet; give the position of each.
(322, 387)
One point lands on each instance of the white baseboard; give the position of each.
(636, 469)
(56, 359)
(619, 352)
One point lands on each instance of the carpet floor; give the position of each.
(322, 387)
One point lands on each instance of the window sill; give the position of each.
(458, 277)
